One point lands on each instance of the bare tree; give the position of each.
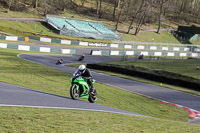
(35, 3)
(99, 6)
(143, 15)
(135, 14)
(161, 4)
(127, 5)
(116, 2)
(82, 2)
(9, 4)
(119, 15)
(132, 11)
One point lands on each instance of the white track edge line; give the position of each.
(48, 107)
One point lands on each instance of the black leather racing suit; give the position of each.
(86, 74)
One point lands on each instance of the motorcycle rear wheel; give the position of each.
(74, 93)
(93, 98)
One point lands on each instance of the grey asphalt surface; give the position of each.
(80, 50)
(29, 97)
(160, 93)
(17, 95)
(165, 94)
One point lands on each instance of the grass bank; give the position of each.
(14, 119)
(186, 67)
(163, 37)
(145, 81)
(14, 14)
(37, 29)
(24, 73)
(182, 73)
(42, 120)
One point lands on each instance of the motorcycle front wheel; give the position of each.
(74, 93)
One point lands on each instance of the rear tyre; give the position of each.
(74, 93)
(93, 98)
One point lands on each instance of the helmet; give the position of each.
(82, 68)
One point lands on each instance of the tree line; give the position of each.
(133, 12)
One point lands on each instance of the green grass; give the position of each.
(145, 81)
(152, 82)
(196, 42)
(14, 119)
(183, 67)
(23, 28)
(24, 73)
(16, 71)
(14, 14)
(36, 29)
(164, 37)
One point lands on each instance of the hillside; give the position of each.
(130, 21)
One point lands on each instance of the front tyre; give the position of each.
(74, 93)
(93, 98)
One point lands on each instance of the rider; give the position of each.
(60, 61)
(82, 57)
(86, 74)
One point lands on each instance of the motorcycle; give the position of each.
(81, 58)
(80, 89)
(59, 62)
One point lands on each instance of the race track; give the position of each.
(28, 97)
(12, 95)
(160, 93)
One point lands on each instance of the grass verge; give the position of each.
(24, 73)
(40, 29)
(14, 14)
(183, 67)
(37, 29)
(14, 119)
(145, 81)
(164, 37)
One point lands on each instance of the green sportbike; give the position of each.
(80, 88)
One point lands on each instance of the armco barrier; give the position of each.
(13, 38)
(146, 53)
(38, 49)
(122, 46)
(178, 82)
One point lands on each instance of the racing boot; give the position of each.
(92, 91)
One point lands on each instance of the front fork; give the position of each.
(76, 89)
